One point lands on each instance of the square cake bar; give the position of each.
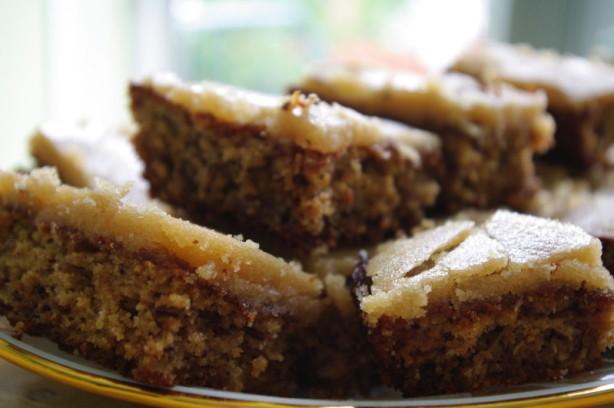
(580, 95)
(465, 306)
(157, 298)
(307, 172)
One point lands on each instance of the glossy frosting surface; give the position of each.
(434, 102)
(301, 119)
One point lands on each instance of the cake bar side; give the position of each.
(221, 171)
(539, 335)
(584, 136)
(146, 314)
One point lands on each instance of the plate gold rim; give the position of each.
(160, 397)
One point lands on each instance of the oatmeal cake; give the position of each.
(488, 134)
(84, 151)
(580, 95)
(310, 173)
(156, 298)
(466, 306)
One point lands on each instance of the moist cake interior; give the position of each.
(157, 298)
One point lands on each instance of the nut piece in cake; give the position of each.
(580, 95)
(466, 306)
(488, 134)
(307, 172)
(157, 298)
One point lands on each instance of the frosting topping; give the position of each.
(460, 261)
(304, 120)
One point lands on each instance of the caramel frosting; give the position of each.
(439, 101)
(566, 78)
(462, 260)
(300, 119)
(83, 151)
(240, 267)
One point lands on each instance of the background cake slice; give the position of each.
(596, 216)
(463, 306)
(580, 95)
(307, 172)
(84, 151)
(134, 289)
(488, 134)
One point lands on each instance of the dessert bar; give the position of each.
(306, 172)
(466, 306)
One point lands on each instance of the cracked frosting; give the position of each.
(461, 261)
(301, 119)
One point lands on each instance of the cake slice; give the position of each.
(154, 297)
(84, 151)
(466, 306)
(596, 216)
(309, 173)
(488, 134)
(580, 95)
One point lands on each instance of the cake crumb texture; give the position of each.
(140, 307)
